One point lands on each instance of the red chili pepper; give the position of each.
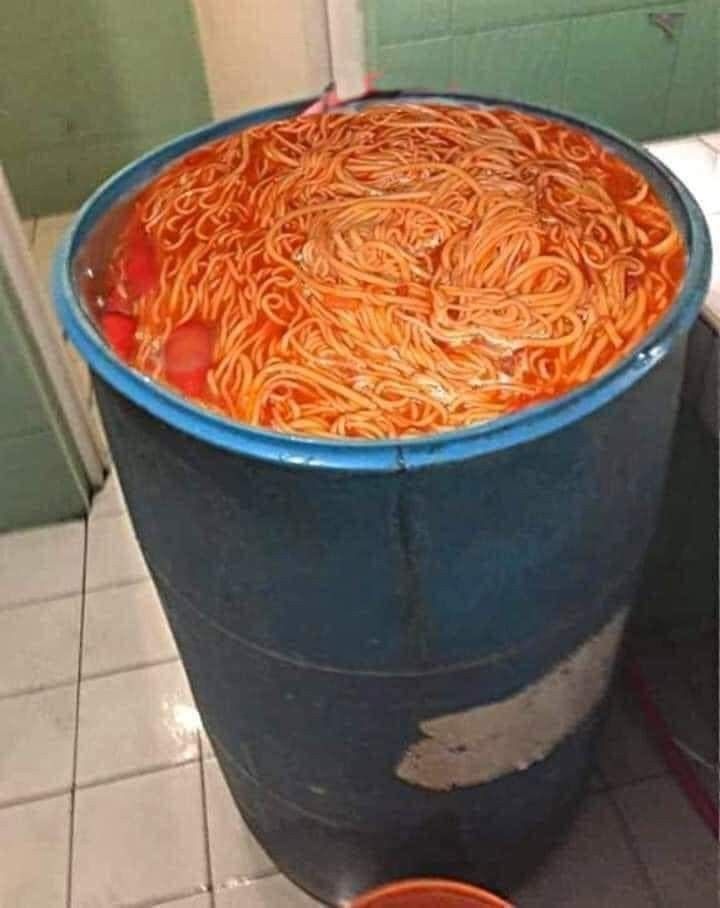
(188, 354)
(119, 329)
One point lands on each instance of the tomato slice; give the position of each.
(188, 354)
(119, 329)
(141, 270)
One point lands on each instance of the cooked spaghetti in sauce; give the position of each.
(402, 270)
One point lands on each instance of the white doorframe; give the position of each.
(40, 321)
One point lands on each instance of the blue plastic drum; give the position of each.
(400, 650)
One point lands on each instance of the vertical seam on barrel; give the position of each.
(414, 609)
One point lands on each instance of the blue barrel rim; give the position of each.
(387, 455)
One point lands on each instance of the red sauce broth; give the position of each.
(137, 261)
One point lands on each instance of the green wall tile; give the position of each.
(41, 475)
(479, 15)
(120, 76)
(134, 68)
(60, 178)
(412, 20)
(603, 58)
(34, 484)
(691, 98)
(93, 161)
(21, 410)
(619, 69)
(525, 62)
(39, 180)
(427, 64)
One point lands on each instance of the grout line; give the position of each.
(93, 676)
(40, 600)
(168, 899)
(117, 584)
(631, 843)
(139, 666)
(206, 821)
(77, 717)
(32, 799)
(235, 881)
(38, 689)
(121, 584)
(109, 780)
(134, 774)
(708, 143)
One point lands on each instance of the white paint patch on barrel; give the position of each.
(483, 743)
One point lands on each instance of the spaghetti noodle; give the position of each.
(392, 272)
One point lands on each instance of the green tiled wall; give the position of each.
(35, 487)
(86, 86)
(41, 478)
(602, 58)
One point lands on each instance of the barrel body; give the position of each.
(403, 672)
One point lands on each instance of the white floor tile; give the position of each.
(36, 744)
(114, 555)
(234, 854)
(677, 849)
(135, 721)
(595, 868)
(626, 754)
(109, 500)
(139, 840)
(125, 627)
(273, 892)
(34, 842)
(714, 225)
(696, 165)
(39, 645)
(43, 563)
(712, 139)
(48, 232)
(192, 901)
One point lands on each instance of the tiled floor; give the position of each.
(107, 797)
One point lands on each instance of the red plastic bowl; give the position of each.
(429, 894)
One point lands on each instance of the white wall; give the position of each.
(260, 52)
